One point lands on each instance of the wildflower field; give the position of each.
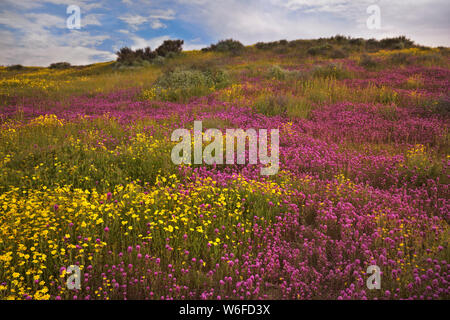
(86, 178)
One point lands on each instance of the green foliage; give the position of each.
(443, 105)
(319, 50)
(129, 57)
(430, 59)
(280, 104)
(332, 70)
(367, 62)
(400, 58)
(170, 46)
(276, 72)
(272, 105)
(60, 65)
(15, 67)
(338, 54)
(229, 45)
(181, 85)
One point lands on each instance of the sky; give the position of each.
(36, 33)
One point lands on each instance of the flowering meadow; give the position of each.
(86, 178)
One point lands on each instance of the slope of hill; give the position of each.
(86, 176)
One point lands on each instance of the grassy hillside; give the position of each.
(86, 176)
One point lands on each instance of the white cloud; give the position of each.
(41, 38)
(254, 20)
(153, 43)
(135, 21)
(91, 19)
(157, 25)
(34, 42)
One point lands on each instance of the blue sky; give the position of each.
(34, 32)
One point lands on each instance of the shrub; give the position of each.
(332, 70)
(399, 58)
(180, 85)
(338, 54)
(319, 50)
(15, 67)
(228, 45)
(414, 82)
(443, 105)
(356, 42)
(339, 39)
(60, 65)
(159, 61)
(170, 46)
(129, 57)
(272, 45)
(276, 72)
(125, 55)
(299, 107)
(148, 54)
(430, 59)
(396, 43)
(367, 62)
(294, 107)
(272, 105)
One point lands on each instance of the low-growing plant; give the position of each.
(229, 45)
(319, 50)
(333, 70)
(443, 105)
(367, 62)
(400, 58)
(15, 67)
(414, 82)
(181, 85)
(271, 105)
(338, 54)
(60, 65)
(276, 72)
(283, 104)
(430, 59)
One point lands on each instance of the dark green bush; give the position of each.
(396, 43)
(272, 105)
(338, 54)
(129, 57)
(319, 50)
(228, 45)
(400, 58)
(181, 85)
(170, 46)
(15, 67)
(367, 62)
(443, 105)
(340, 39)
(60, 65)
(332, 70)
(356, 42)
